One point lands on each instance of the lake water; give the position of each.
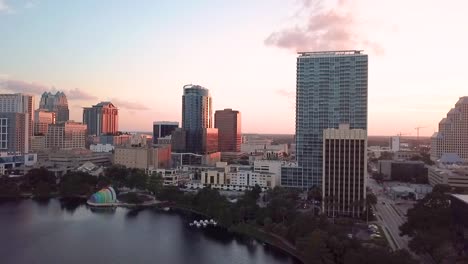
(54, 232)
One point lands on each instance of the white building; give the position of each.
(101, 148)
(395, 143)
(172, 177)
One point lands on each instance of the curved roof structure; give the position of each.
(104, 196)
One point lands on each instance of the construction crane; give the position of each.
(417, 132)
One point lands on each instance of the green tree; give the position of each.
(155, 183)
(77, 183)
(317, 251)
(429, 223)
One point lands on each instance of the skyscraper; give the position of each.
(21, 125)
(228, 123)
(344, 171)
(197, 118)
(453, 132)
(56, 103)
(331, 89)
(101, 119)
(163, 129)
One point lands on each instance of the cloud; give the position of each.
(4, 7)
(129, 105)
(18, 86)
(77, 94)
(333, 28)
(286, 93)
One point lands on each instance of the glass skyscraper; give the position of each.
(197, 118)
(331, 89)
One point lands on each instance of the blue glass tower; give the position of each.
(331, 89)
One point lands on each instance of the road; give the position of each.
(389, 217)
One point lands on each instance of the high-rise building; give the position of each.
(56, 103)
(395, 143)
(228, 123)
(42, 119)
(163, 129)
(13, 133)
(344, 171)
(453, 132)
(331, 90)
(23, 125)
(196, 116)
(102, 118)
(66, 136)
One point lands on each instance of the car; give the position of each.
(375, 236)
(383, 203)
(350, 236)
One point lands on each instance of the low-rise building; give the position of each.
(13, 164)
(403, 170)
(452, 175)
(143, 157)
(101, 148)
(172, 177)
(66, 136)
(459, 208)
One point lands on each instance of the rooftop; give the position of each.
(461, 197)
(330, 53)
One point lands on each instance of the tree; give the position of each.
(37, 175)
(155, 183)
(77, 184)
(137, 178)
(429, 223)
(317, 251)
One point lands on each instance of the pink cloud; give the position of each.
(325, 29)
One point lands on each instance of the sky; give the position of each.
(139, 54)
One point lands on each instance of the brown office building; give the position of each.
(228, 123)
(344, 171)
(101, 119)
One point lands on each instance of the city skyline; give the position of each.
(141, 64)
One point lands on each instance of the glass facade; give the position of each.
(331, 89)
(196, 115)
(163, 129)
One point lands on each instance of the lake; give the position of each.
(57, 232)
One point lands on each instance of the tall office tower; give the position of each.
(57, 103)
(228, 123)
(331, 90)
(23, 104)
(66, 135)
(163, 129)
(453, 132)
(42, 119)
(344, 171)
(101, 119)
(196, 116)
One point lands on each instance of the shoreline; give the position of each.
(240, 229)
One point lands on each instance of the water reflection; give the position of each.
(68, 231)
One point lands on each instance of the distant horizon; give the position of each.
(139, 55)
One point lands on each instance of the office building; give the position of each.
(12, 164)
(403, 170)
(395, 144)
(162, 129)
(19, 122)
(143, 157)
(344, 171)
(453, 175)
(42, 120)
(101, 119)
(453, 132)
(331, 90)
(228, 123)
(197, 116)
(38, 143)
(56, 103)
(13, 133)
(66, 136)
